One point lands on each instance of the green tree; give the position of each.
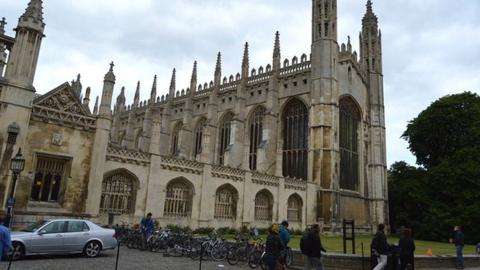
(445, 138)
(448, 124)
(453, 196)
(406, 195)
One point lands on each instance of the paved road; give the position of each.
(129, 259)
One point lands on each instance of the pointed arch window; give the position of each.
(256, 135)
(294, 208)
(224, 140)
(264, 206)
(295, 140)
(175, 136)
(226, 203)
(349, 141)
(178, 200)
(198, 136)
(118, 194)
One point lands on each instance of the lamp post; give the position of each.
(17, 164)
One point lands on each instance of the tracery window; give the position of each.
(263, 206)
(118, 194)
(198, 134)
(175, 136)
(225, 131)
(294, 208)
(49, 173)
(178, 200)
(256, 135)
(295, 140)
(225, 203)
(349, 125)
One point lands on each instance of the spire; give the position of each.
(95, 108)
(218, 69)
(193, 80)
(276, 47)
(369, 16)
(245, 62)
(121, 97)
(276, 52)
(77, 86)
(34, 12)
(172, 84)
(136, 99)
(153, 93)
(349, 45)
(86, 99)
(3, 22)
(110, 77)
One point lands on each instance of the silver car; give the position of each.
(62, 236)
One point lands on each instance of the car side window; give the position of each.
(77, 226)
(54, 227)
(85, 227)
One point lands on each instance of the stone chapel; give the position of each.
(299, 139)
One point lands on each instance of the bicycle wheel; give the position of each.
(253, 259)
(232, 256)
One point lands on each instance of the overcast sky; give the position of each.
(431, 47)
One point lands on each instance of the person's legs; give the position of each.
(308, 263)
(270, 262)
(382, 262)
(460, 257)
(316, 263)
(403, 262)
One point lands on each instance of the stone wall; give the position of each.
(335, 261)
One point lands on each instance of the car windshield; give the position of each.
(34, 226)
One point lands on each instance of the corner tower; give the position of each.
(22, 62)
(324, 110)
(371, 62)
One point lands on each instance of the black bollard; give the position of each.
(363, 258)
(118, 254)
(10, 261)
(201, 256)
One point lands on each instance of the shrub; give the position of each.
(203, 230)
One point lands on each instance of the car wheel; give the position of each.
(92, 249)
(18, 251)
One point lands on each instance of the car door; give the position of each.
(76, 236)
(49, 238)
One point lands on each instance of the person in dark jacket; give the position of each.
(380, 247)
(459, 241)
(407, 249)
(312, 248)
(273, 248)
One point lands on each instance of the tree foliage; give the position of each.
(448, 124)
(445, 138)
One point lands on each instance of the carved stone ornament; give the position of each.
(57, 139)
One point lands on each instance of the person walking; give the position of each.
(273, 248)
(311, 247)
(380, 248)
(285, 236)
(407, 249)
(5, 240)
(459, 242)
(146, 226)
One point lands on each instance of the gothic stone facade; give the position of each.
(301, 139)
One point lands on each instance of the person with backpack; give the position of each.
(311, 247)
(380, 248)
(273, 248)
(285, 236)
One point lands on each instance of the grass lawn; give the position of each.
(335, 244)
